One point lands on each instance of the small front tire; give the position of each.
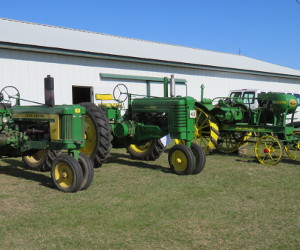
(182, 159)
(66, 174)
(200, 157)
(87, 168)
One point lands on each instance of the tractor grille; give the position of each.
(67, 127)
(180, 117)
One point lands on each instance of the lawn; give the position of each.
(235, 203)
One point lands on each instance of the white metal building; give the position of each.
(85, 63)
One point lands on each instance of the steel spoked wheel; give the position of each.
(230, 142)
(206, 131)
(148, 151)
(182, 159)
(200, 158)
(292, 150)
(268, 150)
(66, 173)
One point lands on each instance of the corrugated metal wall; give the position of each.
(26, 71)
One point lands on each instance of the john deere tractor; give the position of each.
(148, 119)
(47, 136)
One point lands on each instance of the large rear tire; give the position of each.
(41, 160)
(98, 134)
(36, 160)
(149, 151)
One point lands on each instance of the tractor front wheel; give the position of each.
(66, 174)
(149, 151)
(268, 150)
(87, 168)
(200, 157)
(182, 159)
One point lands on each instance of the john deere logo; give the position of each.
(293, 102)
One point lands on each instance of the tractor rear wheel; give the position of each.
(41, 160)
(230, 142)
(206, 132)
(149, 151)
(87, 168)
(98, 134)
(181, 159)
(35, 161)
(66, 173)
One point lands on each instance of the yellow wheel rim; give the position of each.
(34, 159)
(64, 175)
(179, 161)
(268, 150)
(141, 148)
(206, 131)
(90, 136)
(291, 150)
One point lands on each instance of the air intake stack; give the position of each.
(49, 91)
(172, 86)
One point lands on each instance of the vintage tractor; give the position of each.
(48, 136)
(227, 124)
(148, 119)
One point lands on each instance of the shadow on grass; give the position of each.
(291, 161)
(254, 160)
(124, 159)
(16, 168)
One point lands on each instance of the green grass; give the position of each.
(235, 203)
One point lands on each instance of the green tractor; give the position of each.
(227, 124)
(148, 119)
(47, 136)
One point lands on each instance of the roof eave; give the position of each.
(63, 51)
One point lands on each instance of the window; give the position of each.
(236, 94)
(298, 98)
(248, 97)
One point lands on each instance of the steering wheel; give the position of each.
(8, 93)
(120, 93)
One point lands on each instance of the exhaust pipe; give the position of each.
(172, 86)
(49, 91)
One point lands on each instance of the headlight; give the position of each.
(4, 120)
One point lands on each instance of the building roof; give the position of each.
(32, 36)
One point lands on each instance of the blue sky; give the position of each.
(263, 29)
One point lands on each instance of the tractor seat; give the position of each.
(106, 101)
